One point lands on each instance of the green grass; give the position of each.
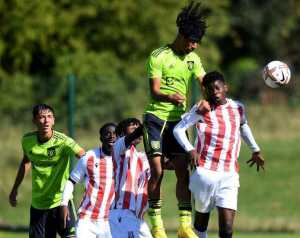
(173, 235)
(268, 201)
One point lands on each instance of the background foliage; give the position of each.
(105, 44)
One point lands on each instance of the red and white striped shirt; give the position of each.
(98, 171)
(218, 139)
(132, 176)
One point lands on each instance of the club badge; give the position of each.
(190, 65)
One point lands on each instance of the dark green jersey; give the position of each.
(176, 74)
(50, 163)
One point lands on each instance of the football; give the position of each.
(276, 74)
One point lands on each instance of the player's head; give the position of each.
(127, 126)
(215, 87)
(43, 117)
(191, 26)
(108, 134)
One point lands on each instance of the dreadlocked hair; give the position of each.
(191, 21)
(122, 126)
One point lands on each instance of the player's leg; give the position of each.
(37, 223)
(201, 224)
(180, 161)
(226, 218)
(51, 223)
(226, 202)
(203, 184)
(152, 142)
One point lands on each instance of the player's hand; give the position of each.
(176, 99)
(203, 107)
(64, 215)
(193, 157)
(258, 160)
(13, 197)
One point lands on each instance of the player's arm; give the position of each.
(175, 98)
(138, 132)
(74, 148)
(190, 119)
(154, 72)
(248, 138)
(80, 153)
(76, 176)
(203, 105)
(24, 167)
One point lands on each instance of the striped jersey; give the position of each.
(218, 135)
(132, 176)
(97, 169)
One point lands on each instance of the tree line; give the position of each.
(105, 45)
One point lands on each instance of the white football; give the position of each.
(276, 74)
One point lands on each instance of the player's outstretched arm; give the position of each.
(250, 141)
(258, 160)
(24, 167)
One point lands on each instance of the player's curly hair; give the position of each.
(122, 126)
(211, 77)
(102, 128)
(191, 21)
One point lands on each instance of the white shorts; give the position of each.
(214, 189)
(87, 228)
(124, 224)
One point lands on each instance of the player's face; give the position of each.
(44, 121)
(108, 137)
(189, 45)
(131, 128)
(216, 92)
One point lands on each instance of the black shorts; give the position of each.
(45, 223)
(159, 138)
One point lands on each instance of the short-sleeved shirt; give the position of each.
(50, 162)
(97, 169)
(176, 73)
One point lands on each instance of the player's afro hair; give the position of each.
(122, 126)
(191, 21)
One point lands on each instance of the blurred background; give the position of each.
(87, 59)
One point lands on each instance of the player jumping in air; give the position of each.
(171, 70)
(215, 182)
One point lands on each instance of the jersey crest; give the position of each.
(190, 65)
(51, 152)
